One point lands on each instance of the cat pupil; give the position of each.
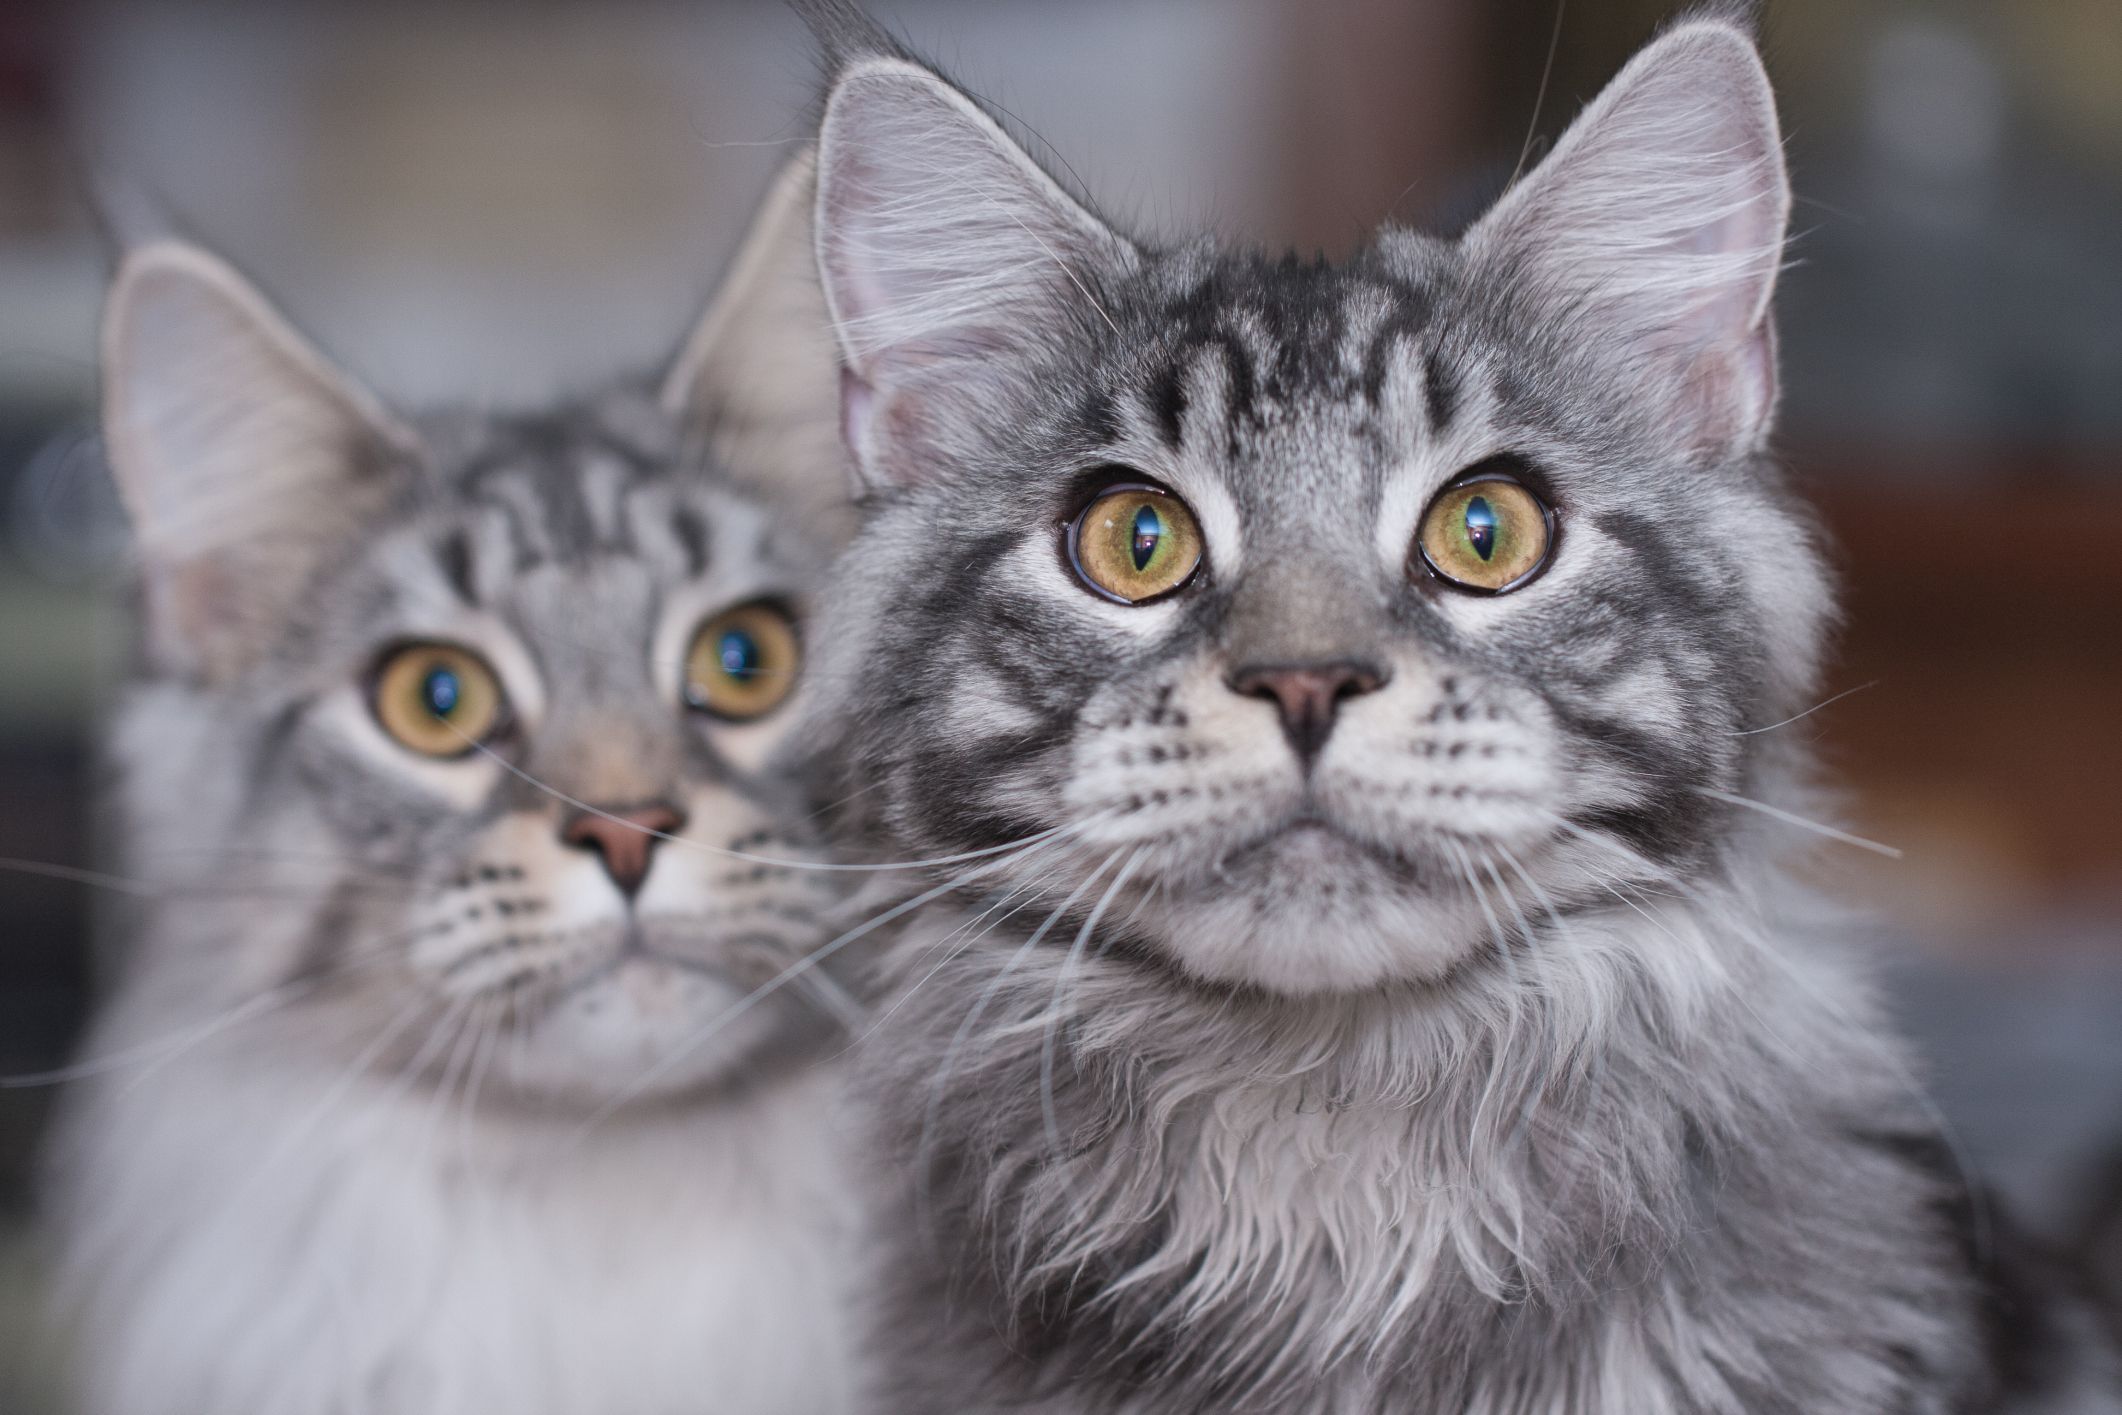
(1149, 529)
(739, 653)
(1481, 527)
(441, 691)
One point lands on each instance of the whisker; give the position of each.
(1816, 707)
(1498, 1050)
(952, 951)
(164, 1047)
(74, 874)
(1061, 980)
(1788, 818)
(1908, 1082)
(167, 1049)
(780, 980)
(466, 1039)
(290, 1139)
(163, 892)
(489, 1022)
(341, 863)
(972, 1019)
(1547, 74)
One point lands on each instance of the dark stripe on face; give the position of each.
(1409, 317)
(954, 588)
(1243, 387)
(455, 556)
(691, 533)
(1167, 404)
(1440, 392)
(1097, 416)
(1653, 553)
(1197, 321)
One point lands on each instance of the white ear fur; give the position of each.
(945, 254)
(758, 374)
(237, 449)
(1663, 209)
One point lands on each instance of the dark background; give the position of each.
(491, 201)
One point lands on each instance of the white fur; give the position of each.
(407, 1260)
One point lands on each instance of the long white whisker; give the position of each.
(164, 1050)
(972, 1019)
(1498, 1051)
(1799, 717)
(1547, 73)
(1061, 979)
(166, 1047)
(466, 1043)
(953, 946)
(780, 980)
(1788, 818)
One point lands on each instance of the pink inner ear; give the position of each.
(1730, 386)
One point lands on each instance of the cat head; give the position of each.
(452, 712)
(1331, 617)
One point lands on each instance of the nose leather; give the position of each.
(626, 840)
(1308, 696)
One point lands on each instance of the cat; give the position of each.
(1386, 987)
(448, 755)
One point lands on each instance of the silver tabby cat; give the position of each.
(1394, 996)
(414, 1103)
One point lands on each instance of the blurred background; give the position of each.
(489, 202)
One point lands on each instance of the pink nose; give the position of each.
(1308, 695)
(626, 839)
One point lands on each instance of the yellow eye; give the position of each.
(743, 662)
(1489, 534)
(437, 699)
(1135, 543)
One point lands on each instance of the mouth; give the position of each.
(1306, 837)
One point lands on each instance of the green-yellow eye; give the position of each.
(437, 699)
(1489, 534)
(1135, 543)
(742, 662)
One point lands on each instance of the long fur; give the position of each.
(1492, 1062)
(402, 1104)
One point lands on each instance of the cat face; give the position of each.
(1333, 618)
(504, 686)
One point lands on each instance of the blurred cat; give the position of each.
(447, 746)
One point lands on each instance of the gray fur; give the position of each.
(401, 1104)
(1524, 1076)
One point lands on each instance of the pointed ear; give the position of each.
(241, 455)
(757, 377)
(951, 264)
(1661, 214)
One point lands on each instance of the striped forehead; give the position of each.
(542, 498)
(1265, 367)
